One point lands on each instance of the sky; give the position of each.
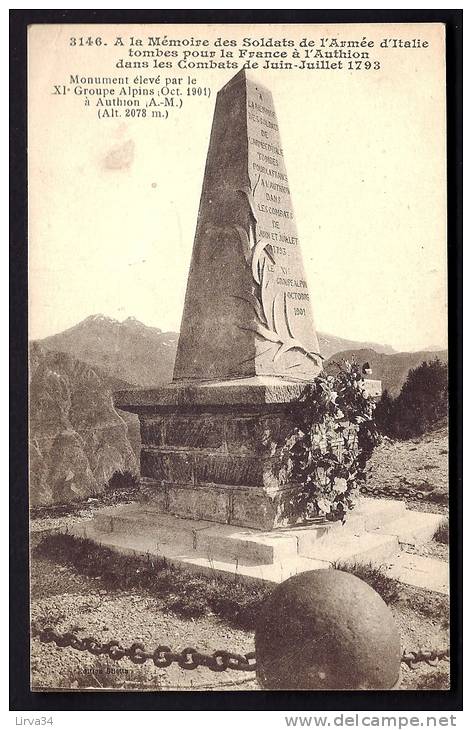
(113, 202)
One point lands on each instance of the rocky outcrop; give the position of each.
(77, 438)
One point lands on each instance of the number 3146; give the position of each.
(82, 41)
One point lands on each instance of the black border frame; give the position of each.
(21, 698)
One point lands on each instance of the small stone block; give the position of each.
(181, 467)
(152, 430)
(373, 388)
(155, 465)
(414, 528)
(310, 537)
(251, 508)
(195, 431)
(154, 492)
(224, 469)
(421, 571)
(199, 503)
(246, 547)
(379, 512)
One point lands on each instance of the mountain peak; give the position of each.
(103, 319)
(135, 324)
(128, 351)
(99, 318)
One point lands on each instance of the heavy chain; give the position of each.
(402, 492)
(431, 657)
(190, 658)
(162, 656)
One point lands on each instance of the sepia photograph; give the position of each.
(238, 398)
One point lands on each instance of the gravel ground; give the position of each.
(420, 463)
(72, 602)
(46, 521)
(430, 549)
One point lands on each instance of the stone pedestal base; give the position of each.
(374, 533)
(217, 452)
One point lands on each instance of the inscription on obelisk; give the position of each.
(247, 308)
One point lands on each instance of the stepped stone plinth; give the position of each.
(218, 451)
(373, 534)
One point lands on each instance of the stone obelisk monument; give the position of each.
(213, 440)
(247, 310)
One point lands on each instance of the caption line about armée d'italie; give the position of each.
(152, 77)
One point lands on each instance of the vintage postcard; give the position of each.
(238, 357)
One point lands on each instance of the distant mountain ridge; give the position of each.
(393, 369)
(129, 350)
(78, 440)
(330, 345)
(144, 356)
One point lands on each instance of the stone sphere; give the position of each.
(326, 629)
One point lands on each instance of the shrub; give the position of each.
(385, 414)
(442, 533)
(178, 591)
(422, 402)
(385, 586)
(122, 481)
